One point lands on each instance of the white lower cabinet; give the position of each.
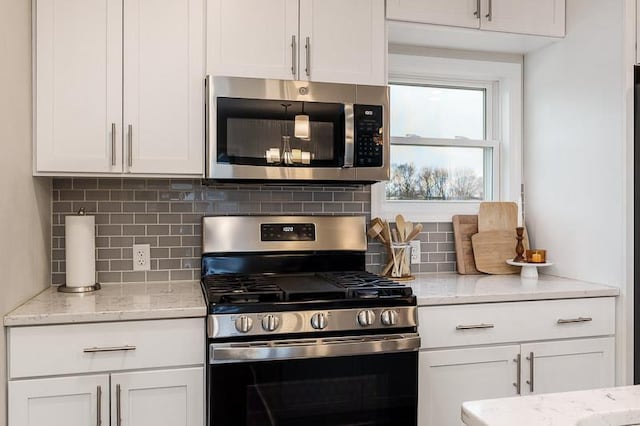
(473, 352)
(138, 373)
(146, 398)
(449, 377)
(64, 401)
(158, 398)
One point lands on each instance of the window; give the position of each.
(455, 136)
(439, 150)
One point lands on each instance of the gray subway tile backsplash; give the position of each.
(166, 214)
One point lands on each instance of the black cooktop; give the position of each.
(273, 292)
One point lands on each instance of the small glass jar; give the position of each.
(401, 257)
(536, 256)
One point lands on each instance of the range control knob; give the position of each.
(366, 317)
(389, 317)
(319, 321)
(270, 322)
(244, 324)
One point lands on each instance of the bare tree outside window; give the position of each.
(433, 183)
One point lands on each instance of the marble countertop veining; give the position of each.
(452, 288)
(599, 407)
(113, 302)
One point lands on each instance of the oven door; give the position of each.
(369, 380)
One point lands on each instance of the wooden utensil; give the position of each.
(401, 226)
(464, 226)
(414, 232)
(491, 249)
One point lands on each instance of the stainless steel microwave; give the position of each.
(278, 130)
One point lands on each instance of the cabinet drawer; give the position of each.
(488, 323)
(84, 348)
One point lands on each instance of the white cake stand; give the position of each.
(529, 270)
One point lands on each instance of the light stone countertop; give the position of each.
(598, 407)
(452, 288)
(113, 302)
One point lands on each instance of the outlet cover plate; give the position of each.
(415, 252)
(141, 257)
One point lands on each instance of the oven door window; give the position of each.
(254, 132)
(356, 390)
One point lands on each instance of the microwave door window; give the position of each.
(262, 133)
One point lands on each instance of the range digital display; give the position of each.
(287, 232)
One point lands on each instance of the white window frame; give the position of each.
(503, 83)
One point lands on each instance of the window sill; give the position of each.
(418, 211)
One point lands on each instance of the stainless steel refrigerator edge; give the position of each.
(290, 90)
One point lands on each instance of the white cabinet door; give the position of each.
(568, 365)
(164, 86)
(67, 401)
(539, 17)
(343, 41)
(159, 398)
(252, 38)
(447, 378)
(459, 13)
(78, 86)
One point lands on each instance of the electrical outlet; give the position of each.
(415, 251)
(141, 257)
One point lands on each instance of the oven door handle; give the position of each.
(312, 348)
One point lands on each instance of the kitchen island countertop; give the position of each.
(113, 302)
(452, 288)
(598, 407)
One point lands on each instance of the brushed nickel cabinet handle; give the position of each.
(488, 15)
(130, 140)
(530, 358)
(109, 349)
(99, 408)
(574, 320)
(118, 405)
(307, 48)
(113, 144)
(518, 362)
(293, 55)
(474, 326)
(477, 12)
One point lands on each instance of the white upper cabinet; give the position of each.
(344, 47)
(252, 38)
(90, 121)
(78, 85)
(164, 86)
(535, 17)
(458, 13)
(318, 40)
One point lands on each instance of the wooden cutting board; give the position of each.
(464, 226)
(497, 216)
(500, 216)
(491, 249)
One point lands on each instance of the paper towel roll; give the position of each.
(80, 250)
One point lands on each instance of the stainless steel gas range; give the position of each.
(298, 332)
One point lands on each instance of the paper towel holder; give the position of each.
(84, 289)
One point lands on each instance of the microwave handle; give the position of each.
(348, 135)
(208, 86)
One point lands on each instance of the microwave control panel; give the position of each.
(368, 139)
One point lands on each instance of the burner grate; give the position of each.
(365, 285)
(238, 288)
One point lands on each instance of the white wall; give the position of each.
(26, 202)
(574, 147)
